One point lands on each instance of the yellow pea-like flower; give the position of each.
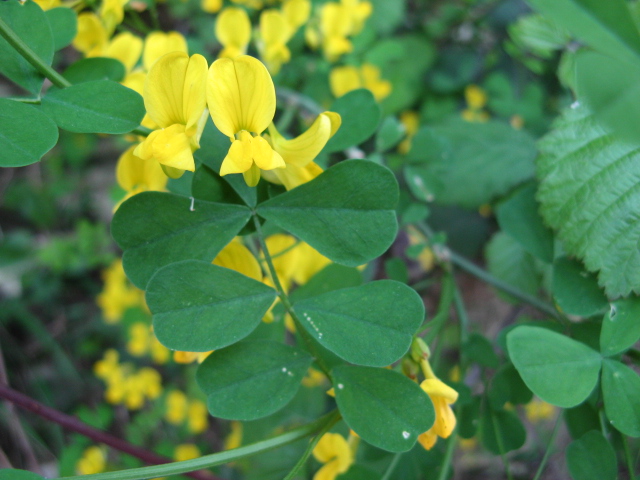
(93, 461)
(174, 96)
(242, 102)
(347, 78)
(158, 44)
(211, 6)
(334, 451)
(112, 13)
(335, 25)
(136, 175)
(411, 122)
(275, 31)
(92, 37)
(176, 407)
(296, 12)
(358, 12)
(442, 397)
(186, 451)
(233, 31)
(298, 153)
(48, 4)
(235, 256)
(126, 48)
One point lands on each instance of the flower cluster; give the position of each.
(180, 410)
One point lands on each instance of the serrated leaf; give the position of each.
(371, 325)
(155, 229)
(94, 68)
(198, 306)
(588, 194)
(576, 291)
(488, 159)
(26, 134)
(64, 26)
(251, 380)
(28, 21)
(621, 392)
(99, 106)
(592, 458)
(360, 116)
(620, 326)
(347, 213)
(558, 369)
(382, 406)
(605, 26)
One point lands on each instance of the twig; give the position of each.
(547, 452)
(98, 436)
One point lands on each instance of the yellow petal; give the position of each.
(297, 12)
(174, 90)
(233, 30)
(126, 48)
(171, 147)
(133, 173)
(135, 81)
(158, 44)
(236, 256)
(372, 81)
(335, 20)
(293, 176)
(310, 263)
(252, 176)
(211, 6)
(282, 248)
(436, 388)
(333, 446)
(428, 439)
(301, 150)
(328, 472)
(274, 27)
(475, 97)
(239, 158)
(91, 34)
(344, 79)
(445, 418)
(144, 150)
(264, 156)
(240, 95)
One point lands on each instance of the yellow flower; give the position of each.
(235, 256)
(296, 12)
(298, 153)
(186, 451)
(242, 102)
(274, 34)
(190, 357)
(174, 96)
(142, 341)
(126, 48)
(234, 439)
(92, 37)
(411, 122)
(112, 13)
(176, 407)
(136, 175)
(332, 450)
(442, 397)
(48, 4)
(233, 31)
(158, 44)
(118, 294)
(358, 11)
(537, 410)
(335, 25)
(314, 378)
(476, 99)
(211, 6)
(347, 78)
(93, 460)
(253, 4)
(197, 417)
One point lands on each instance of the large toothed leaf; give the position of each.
(590, 193)
(155, 229)
(347, 213)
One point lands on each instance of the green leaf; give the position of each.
(11, 474)
(372, 324)
(507, 386)
(382, 406)
(358, 472)
(29, 22)
(621, 391)
(347, 213)
(604, 26)
(592, 458)
(478, 349)
(488, 159)
(559, 370)
(209, 186)
(386, 16)
(539, 34)
(588, 195)
(507, 260)
(620, 326)
(251, 380)
(94, 68)
(360, 116)
(99, 106)
(501, 431)
(611, 88)
(575, 290)
(581, 419)
(391, 131)
(199, 307)
(155, 229)
(330, 278)
(518, 216)
(26, 134)
(64, 26)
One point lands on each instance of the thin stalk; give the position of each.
(30, 101)
(30, 56)
(392, 466)
(208, 461)
(287, 117)
(500, 445)
(442, 314)
(284, 298)
(470, 267)
(73, 424)
(627, 456)
(463, 317)
(294, 98)
(448, 455)
(312, 444)
(547, 452)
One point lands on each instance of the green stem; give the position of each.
(496, 428)
(627, 455)
(547, 452)
(448, 454)
(312, 444)
(30, 101)
(392, 466)
(212, 460)
(287, 117)
(30, 56)
(470, 267)
(142, 131)
(284, 298)
(463, 317)
(297, 99)
(442, 314)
